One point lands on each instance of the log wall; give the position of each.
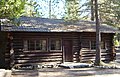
(5, 48)
(88, 54)
(46, 57)
(79, 50)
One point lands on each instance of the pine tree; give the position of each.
(72, 10)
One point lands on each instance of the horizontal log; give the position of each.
(19, 51)
(75, 59)
(36, 55)
(7, 54)
(88, 52)
(45, 57)
(85, 55)
(36, 61)
(17, 45)
(93, 59)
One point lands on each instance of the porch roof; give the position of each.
(37, 24)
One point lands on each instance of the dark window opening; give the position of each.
(41, 45)
(55, 44)
(92, 45)
(31, 45)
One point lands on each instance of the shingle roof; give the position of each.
(36, 24)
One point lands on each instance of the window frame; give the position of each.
(104, 42)
(34, 45)
(46, 45)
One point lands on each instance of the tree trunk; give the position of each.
(92, 10)
(49, 8)
(98, 39)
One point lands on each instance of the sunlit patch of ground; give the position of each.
(61, 72)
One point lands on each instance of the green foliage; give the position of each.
(116, 39)
(11, 8)
(31, 8)
(116, 43)
(72, 10)
(109, 11)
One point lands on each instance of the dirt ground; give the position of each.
(61, 72)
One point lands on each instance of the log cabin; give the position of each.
(44, 41)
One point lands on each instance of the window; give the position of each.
(55, 44)
(92, 45)
(31, 44)
(25, 45)
(42, 44)
(35, 44)
(108, 45)
(102, 45)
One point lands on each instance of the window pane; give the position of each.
(41, 45)
(58, 45)
(31, 45)
(25, 45)
(55, 44)
(102, 45)
(108, 45)
(93, 45)
(44, 45)
(38, 45)
(52, 45)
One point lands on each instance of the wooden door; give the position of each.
(68, 55)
